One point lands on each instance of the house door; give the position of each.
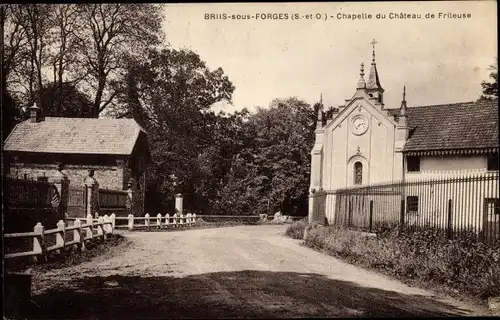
(491, 218)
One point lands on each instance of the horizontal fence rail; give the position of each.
(158, 221)
(40, 242)
(457, 205)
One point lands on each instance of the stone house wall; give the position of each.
(108, 177)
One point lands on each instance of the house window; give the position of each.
(411, 204)
(358, 173)
(492, 162)
(413, 163)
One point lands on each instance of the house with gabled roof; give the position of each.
(115, 150)
(366, 143)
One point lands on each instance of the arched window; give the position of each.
(358, 173)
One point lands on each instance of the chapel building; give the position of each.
(365, 142)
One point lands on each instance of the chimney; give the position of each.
(35, 113)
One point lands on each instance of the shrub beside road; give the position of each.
(463, 267)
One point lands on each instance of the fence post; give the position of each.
(178, 203)
(167, 220)
(158, 220)
(131, 196)
(90, 230)
(100, 228)
(182, 220)
(371, 215)
(113, 221)
(175, 219)
(188, 219)
(194, 218)
(39, 240)
(107, 227)
(61, 236)
(77, 235)
(146, 220)
(402, 216)
(450, 226)
(131, 222)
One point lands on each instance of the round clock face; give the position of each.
(359, 125)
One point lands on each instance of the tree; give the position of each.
(490, 88)
(65, 58)
(10, 114)
(110, 33)
(85, 44)
(69, 102)
(169, 92)
(14, 37)
(33, 20)
(271, 172)
(11, 42)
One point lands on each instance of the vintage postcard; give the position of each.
(250, 160)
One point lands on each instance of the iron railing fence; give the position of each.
(28, 193)
(468, 203)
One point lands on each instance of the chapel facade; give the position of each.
(365, 142)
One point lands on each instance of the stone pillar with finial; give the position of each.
(92, 190)
(61, 191)
(130, 196)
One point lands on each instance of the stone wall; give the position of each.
(108, 177)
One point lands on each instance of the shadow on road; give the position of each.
(243, 294)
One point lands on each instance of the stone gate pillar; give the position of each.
(92, 191)
(130, 197)
(179, 203)
(61, 193)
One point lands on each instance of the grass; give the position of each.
(463, 267)
(296, 229)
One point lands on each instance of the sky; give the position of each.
(439, 60)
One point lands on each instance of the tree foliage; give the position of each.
(271, 172)
(169, 93)
(490, 88)
(86, 45)
(68, 102)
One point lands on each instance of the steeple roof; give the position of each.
(373, 79)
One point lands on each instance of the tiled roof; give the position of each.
(468, 125)
(75, 135)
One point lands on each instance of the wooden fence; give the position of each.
(81, 231)
(167, 221)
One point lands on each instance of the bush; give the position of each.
(464, 264)
(296, 229)
(200, 222)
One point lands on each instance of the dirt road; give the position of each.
(235, 272)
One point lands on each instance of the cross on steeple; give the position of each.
(373, 43)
